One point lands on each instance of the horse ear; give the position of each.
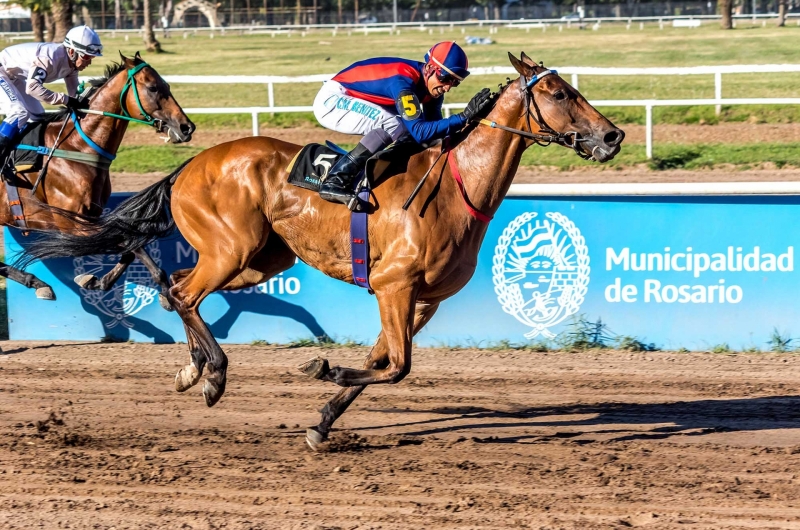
(122, 57)
(519, 66)
(137, 56)
(526, 59)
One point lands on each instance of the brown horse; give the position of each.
(233, 204)
(83, 188)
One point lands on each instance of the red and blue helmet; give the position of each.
(450, 58)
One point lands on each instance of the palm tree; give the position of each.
(781, 13)
(38, 9)
(150, 42)
(62, 17)
(725, 7)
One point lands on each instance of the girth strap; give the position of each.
(474, 212)
(90, 159)
(15, 205)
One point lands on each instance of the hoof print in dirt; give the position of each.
(316, 367)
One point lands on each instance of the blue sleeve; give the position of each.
(428, 124)
(423, 131)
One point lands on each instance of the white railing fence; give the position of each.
(573, 71)
(683, 21)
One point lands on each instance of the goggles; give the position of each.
(447, 78)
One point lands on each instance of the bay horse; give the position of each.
(233, 204)
(130, 90)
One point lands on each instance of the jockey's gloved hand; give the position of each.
(478, 102)
(77, 104)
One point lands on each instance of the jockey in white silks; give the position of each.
(25, 68)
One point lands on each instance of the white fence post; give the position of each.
(648, 112)
(271, 96)
(255, 123)
(575, 81)
(718, 90)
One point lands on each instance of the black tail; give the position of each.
(134, 223)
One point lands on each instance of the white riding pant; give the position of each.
(18, 107)
(337, 111)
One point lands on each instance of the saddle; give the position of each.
(28, 156)
(311, 164)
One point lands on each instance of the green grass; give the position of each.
(165, 158)
(319, 52)
(152, 158)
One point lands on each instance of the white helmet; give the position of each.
(84, 40)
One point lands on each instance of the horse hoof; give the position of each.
(45, 293)
(212, 392)
(316, 367)
(314, 438)
(186, 378)
(86, 281)
(162, 300)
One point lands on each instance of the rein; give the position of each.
(544, 137)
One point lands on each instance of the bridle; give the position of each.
(130, 85)
(546, 134)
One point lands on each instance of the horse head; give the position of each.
(560, 111)
(146, 96)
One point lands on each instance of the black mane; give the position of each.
(111, 70)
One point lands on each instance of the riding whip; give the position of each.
(47, 161)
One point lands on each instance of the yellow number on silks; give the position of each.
(408, 105)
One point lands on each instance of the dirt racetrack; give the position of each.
(93, 436)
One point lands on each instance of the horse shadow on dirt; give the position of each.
(683, 418)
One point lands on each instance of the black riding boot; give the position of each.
(338, 185)
(7, 146)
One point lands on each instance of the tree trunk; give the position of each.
(37, 23)
(781, 13)
(117, 15)
(150, 42)
(50, 24)
(62, 18)
(135, 15)
(339, 19)
(356, 11)
(725, 7)
(414, 12)
(87, 17)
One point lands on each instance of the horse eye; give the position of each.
(560, 95)
(152, 89)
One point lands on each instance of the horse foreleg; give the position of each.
(158, 274)
(93, 283)
(43, 291)
(397, 311)
(378, 358)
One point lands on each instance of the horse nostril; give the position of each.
(613, 138)
(186, 128)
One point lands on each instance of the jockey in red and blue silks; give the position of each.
(388, 99)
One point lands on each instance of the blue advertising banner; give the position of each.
(677, 271)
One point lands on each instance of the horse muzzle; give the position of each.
(176, 133)
(604, 146)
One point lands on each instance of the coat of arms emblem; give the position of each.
(541, 270)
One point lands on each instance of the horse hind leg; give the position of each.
(189, 375)
(43, 291)
(91, 282)
(158, 275)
